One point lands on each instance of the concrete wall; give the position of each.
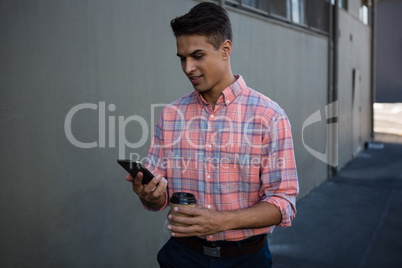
(353, 7)
(354, 92)
(62, 205)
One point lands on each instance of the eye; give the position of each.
(198, 56)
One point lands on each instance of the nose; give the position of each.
(188, 66)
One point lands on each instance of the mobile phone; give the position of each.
(133, 167)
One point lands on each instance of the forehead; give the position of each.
(187, 44)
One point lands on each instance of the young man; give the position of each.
(228, 145)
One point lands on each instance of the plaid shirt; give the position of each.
(230, 158)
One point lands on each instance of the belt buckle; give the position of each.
(212, 252)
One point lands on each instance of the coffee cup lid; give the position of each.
(182, 198)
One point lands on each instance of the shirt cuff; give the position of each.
(163, 207)
(286, 209)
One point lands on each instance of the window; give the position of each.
(312, 14)
(298, 14)
(364, 11)
(363, 14)
(261, 5)
(279, 8)
(341, 3)
(317, 14)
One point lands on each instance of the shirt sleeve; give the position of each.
(156, 162)
(278, 171)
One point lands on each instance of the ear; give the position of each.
(226, 49)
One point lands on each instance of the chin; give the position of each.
(199, 89)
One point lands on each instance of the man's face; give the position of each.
(203, 64)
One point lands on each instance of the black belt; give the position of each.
(247, 246)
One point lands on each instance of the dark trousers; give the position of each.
(176, 255)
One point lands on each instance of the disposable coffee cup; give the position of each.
(181, 199)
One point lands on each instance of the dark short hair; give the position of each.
(206, 19)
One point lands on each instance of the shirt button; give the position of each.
(208, 177)
(227, 101)
(212, 116)
(209, 146)
(209, 206)
(210, 236)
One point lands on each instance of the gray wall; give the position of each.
(62, 205)
(354, 92)
(389, 51)
(66, 206)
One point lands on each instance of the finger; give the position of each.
(160, 188)
(137, 188)
(190, 211)
(129, 178)
(151, 186)
(182, 231)
(183, 220)
(138, 178)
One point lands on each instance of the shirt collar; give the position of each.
(233, 91)
(230, 93)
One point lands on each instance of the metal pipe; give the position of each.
(373, 61)
(333, 89)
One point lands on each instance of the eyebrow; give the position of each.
(192, 54)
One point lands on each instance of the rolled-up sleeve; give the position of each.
(278, 173)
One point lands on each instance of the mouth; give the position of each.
(195, 79)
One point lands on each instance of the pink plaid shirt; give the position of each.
(230, 158)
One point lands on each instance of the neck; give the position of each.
(212, 96)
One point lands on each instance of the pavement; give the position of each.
(353, 219)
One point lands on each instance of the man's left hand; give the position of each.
(200, 222)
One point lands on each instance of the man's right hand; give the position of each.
(151, 195)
